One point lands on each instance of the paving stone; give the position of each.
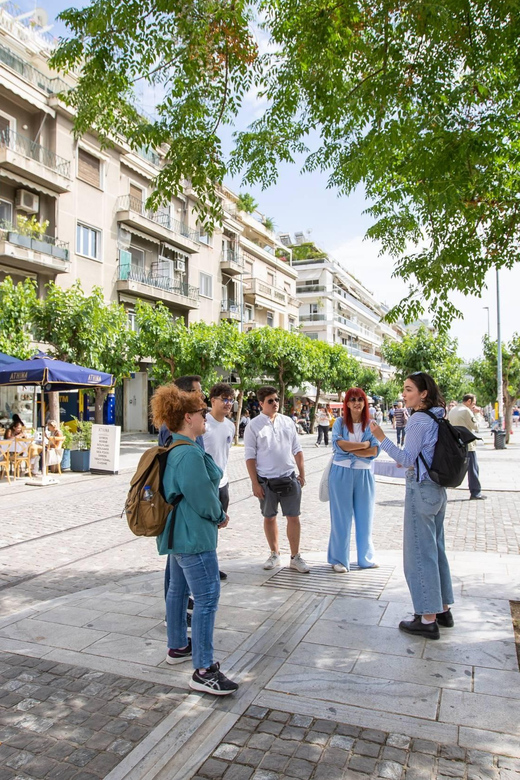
(301, 720)
(480, 758)
(453, 752)
(372, 735)
(364, 748)
(317, 738)
(262, 774)
(261, 741)
(421, 762)
(101, 740)
(394, 754)
(227, 751)
(256, 712)
(64, 772)
(103, 763)
(239, 772)
(285, 746)
(309, 752)
(334, 755)
(85, 776)
(325, 726)
(390, 770)
(348, 731)
(449, 768)
(81, 756)
(398, 741)
(41, 766)
(270, 727)
(116, 726)
(275, 762)
(250, 756)
(247, 724)
(121, 747)
(112, 708)
(19, 760)
(60, 750)
(298, 767)
(237, 736)
(340, 741)
(425, 746)
(213, 768)
(329, 772)
(292, 732)
(278, 715)
(135, 732)
(362, 764)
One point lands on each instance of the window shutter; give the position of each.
(125, 262)
(89, 168)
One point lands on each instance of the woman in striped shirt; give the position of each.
(426, 566)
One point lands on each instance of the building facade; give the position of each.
(71, 210)
(337, 308)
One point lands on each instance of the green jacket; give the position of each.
(192, 472)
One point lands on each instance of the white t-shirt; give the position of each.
(272, 444)
(358, 433)
(217, 442)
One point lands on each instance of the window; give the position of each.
(131, 322)
(287, 287)
(6, 123)
(249, 269)
(270, 319)
(206, 285)
(313, 336)
(313, 308)
(89, 168)
(204, 238)
(292, 323)
(270, 278)
(248, 313)
(137, 258)
(88, 242)
(6, 211)
(137, 198)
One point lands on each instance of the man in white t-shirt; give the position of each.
(271, 449)
(220, 433)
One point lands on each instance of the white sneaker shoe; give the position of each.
(339, 568)
(273, 561)
(299, 564)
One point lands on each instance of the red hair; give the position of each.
(356, 392)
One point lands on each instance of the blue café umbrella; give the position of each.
(5, 359)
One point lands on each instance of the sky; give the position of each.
(338, 226)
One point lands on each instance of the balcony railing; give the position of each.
(160, 217)
(348, 297)
(20, 144)
(230, 306)
(257, 287)
(48, 245)
(366, 355)
(313, 317)
(150, 155)
(232, 256)
(346, 321)
(52, 86)
(311, 288)
(134, 273)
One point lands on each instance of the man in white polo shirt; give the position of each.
(271, 448)
(220, 433)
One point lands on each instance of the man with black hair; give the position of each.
(271, 448)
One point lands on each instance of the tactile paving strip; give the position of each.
(363, 583)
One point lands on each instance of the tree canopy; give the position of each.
(484, 373)
(417, 102)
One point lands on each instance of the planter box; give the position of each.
(59, 251)
(65, 461)
(80, 460)
(41, 246)
(19, 240)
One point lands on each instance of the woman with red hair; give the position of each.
(351, 484)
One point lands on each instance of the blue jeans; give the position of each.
(401, 433)
(475, 488)
(352, 495)
(196, 574)
(426, 566)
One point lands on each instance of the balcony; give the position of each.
(264, 294)
(144, 284)
(232, 262)
(313, 317)
(311, 288)
(33, 161)
(29, 73)
(356, 303)
(365, 356)
(159, 224)
(230, 310)
(44, 253)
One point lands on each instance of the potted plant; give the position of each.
(82, 439)
(68, 442)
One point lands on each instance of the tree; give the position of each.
(162, 338)
(16, 311)
(484, 373)
(210, 351)
(248, 370)
(388, 390)
(418, 103)
(282, 357)
(435, 353)
(368, 379)
(320, 356)
(246, 202)
(84, 329)
(345, 370)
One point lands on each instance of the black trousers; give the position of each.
(323, 433)
(223, 494)
(473, 475)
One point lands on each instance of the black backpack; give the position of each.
(450, 458)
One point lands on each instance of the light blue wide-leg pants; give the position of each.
(352, 496)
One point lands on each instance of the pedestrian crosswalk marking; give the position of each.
(362, 583)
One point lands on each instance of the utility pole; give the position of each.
(500, 389)
(489, 329)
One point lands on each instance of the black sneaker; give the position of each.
(222, 575)
(178, 656)
(212, 681)
(190, 604)
(417, 627)
(445, 619)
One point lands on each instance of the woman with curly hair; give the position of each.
(193, 475)
(351, 484)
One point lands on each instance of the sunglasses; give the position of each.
(353, 400)
(203, 412)
(227, 401)
(273, 401)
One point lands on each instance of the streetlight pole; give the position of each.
(489, 329)
(500, 390)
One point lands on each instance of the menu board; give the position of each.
(104, 451)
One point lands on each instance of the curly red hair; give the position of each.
(355, 392)
(169, 405)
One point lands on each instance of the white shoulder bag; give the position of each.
(323, 490)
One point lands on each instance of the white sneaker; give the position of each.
(273, 561)
(339, 568)
(299, 564)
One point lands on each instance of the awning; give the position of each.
(16, 179)
(39, 102)
(142, 235)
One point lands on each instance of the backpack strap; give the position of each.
(421, 456)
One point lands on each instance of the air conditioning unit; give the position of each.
(27, 201)
(180, 265)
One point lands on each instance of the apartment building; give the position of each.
(92, 224)
(337, 308)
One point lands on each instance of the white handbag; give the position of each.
(323, 490)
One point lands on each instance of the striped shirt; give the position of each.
(421, 437)
(401, 417)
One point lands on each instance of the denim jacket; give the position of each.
(340, 431)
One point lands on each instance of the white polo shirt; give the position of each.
(272, 444)
(217, 442)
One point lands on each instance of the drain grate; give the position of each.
(362, 583)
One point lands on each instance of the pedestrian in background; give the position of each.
(463, 414)
(400, 419)
(323, 423)
(351, 484)
(271, 448)
(391, 415)
(193, 474)
(426, 566)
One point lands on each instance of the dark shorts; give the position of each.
(290, 504)
(223, 494)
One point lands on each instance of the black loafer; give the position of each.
(417, 627)
(445, 619)
(223, 575)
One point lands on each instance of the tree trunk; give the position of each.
(282, 391)
(240, 401)
(100, 395)
(318, 392)
(54, 407)
(509, 403)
